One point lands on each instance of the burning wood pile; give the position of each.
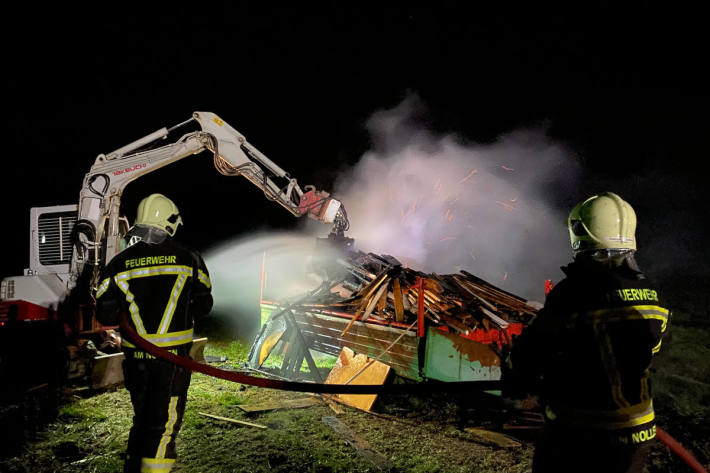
(379, 287)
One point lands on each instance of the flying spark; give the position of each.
(469, 176)
(412, 209)
(507, 207)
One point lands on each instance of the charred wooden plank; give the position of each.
(374, 299)
(398, 306)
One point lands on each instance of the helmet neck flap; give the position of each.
(145, 233)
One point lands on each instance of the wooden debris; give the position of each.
(380, 291)
(279, 404)
(332, 402)
(385, 290)
(234, 421)
(361, 445)
(357, 369)
(488, 437)
(521, 427)
(398, 306)
(525, 420)
(365, 296)
(37, 388)
(382, 301)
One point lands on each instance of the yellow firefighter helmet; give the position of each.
(156, 210)
(603, 221)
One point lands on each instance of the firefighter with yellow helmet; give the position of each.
(163, 287)
(588, 353)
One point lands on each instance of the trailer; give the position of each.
(425, 327)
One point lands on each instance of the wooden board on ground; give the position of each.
(491, 438)
(280, 404)
(358, 443)
(332, 404)
(349, 365)
(233, 421)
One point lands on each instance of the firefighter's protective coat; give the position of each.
(588, 355)
(589, 351)
(163, 287)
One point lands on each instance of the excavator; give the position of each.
(70, 244)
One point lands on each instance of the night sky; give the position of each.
(624, 89)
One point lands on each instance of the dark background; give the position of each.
(623, 88)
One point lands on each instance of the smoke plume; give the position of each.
(440, 205)
(435, 203)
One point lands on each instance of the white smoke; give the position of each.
(437, 204)
(440, 205)
(236, 270)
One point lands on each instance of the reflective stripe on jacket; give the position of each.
(589, 350)
(164, 287)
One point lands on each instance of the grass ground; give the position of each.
(416, 434)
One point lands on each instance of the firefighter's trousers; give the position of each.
(561, 450)
(158, 392)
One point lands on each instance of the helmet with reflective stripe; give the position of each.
(156, 210)
(603, 221)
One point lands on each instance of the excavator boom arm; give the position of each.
(98, 230)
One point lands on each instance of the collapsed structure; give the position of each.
(448, 327)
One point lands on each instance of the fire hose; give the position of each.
(283, 385)
(242, 378)
(679, 450)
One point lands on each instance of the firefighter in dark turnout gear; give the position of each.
(163, 287)
(588, 353)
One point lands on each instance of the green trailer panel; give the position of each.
(449, 357)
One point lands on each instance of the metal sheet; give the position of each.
(197, 350)
(107, 371)
(449, 357)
